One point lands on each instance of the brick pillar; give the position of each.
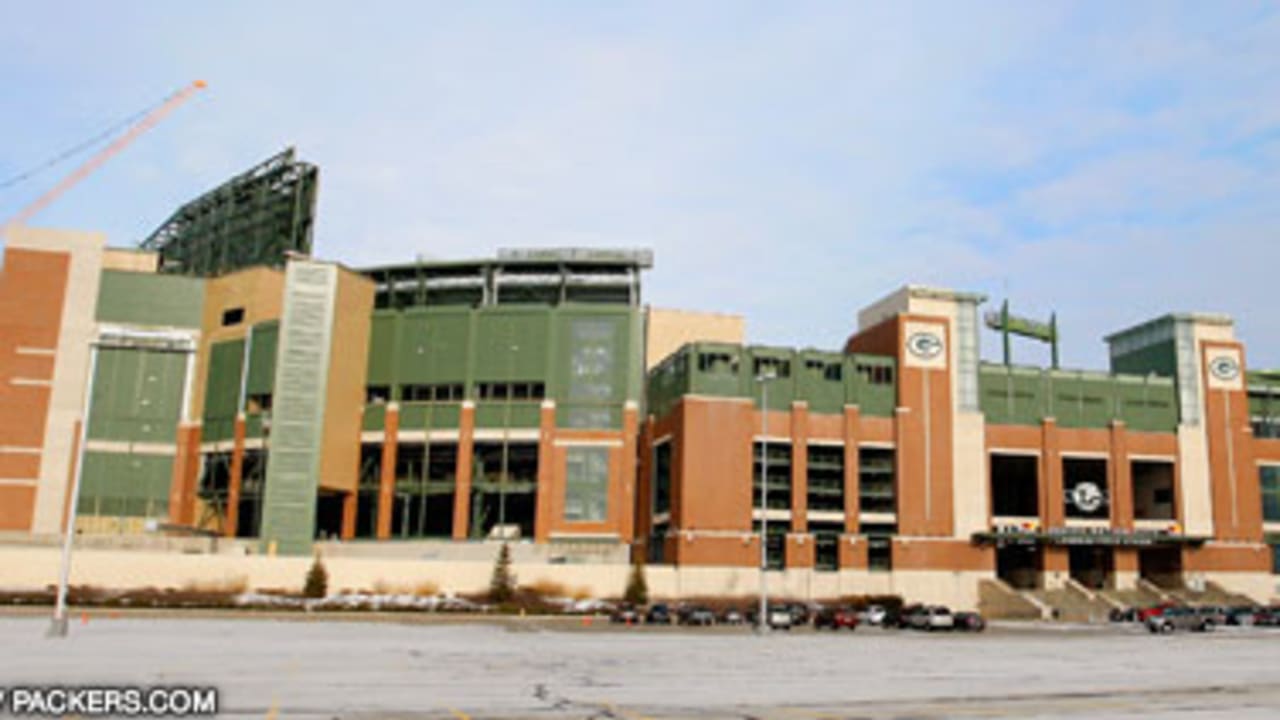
(186, 466)
(237, 474)
(349, 502)
(851, 465)
(549, 481)
(1056, 566)
(1052, 510)
(626, 497)
(387, 478)
(853, 553)
(800, 471)
(1119, 475)
(799, 550)
(462, 473)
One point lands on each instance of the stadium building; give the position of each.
(235, 385)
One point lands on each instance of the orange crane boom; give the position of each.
(146, 123)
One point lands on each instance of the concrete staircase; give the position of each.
(1140, 596)
(1074, 603)
(996, 600)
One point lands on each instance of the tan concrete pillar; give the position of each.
(387, 478)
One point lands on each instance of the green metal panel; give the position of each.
(138, 298)
(431, 347)
(1075, 399)
(715, 369)
(872, 398)
(782, 388)
(435, 416)
(521, 414)
(262, 358)
(125, 484)
(382, 347)
(511, 343)
(375, 418)
(137, 395)
(820, 381)
(222, 389)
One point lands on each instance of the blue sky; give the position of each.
(791, 162)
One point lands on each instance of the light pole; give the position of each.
(110, 337)
(764, 378)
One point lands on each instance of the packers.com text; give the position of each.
(106, 701)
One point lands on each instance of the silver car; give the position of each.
(1178, 618)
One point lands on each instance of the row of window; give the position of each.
(833, 371)
(455, 392)
(1015, 488)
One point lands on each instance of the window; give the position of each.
(511, 390)
(259, 402)
(586, 491)
(879, 546)
(1269, 479)
(775, 543)
(780, 368)
(1084, 485)
(722, 363)
(826, 478)
(377, 394)
(446, 392)
(425, 487)
(826, 545)
(1015, 485)
(233, 316)
(876, 485)
(779, 475)
(875, 374)
(662, 478)
(830, 371)
(1152, 490)
(1275, 559)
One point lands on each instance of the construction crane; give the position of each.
(144, 124)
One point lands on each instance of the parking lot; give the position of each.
(455, 668)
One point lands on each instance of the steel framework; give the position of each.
(255, 218)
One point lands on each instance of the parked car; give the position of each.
(1129, 614)
(1267, 617)
(1178, 618)
(969, 621)
(732, 616)
(696, 615)
(836, 619)
(659, 614)
(1243, 615)
(875, 615)
(902, 620)
(1215, 615)
(931, 618)
(628, 614)
(778, 616)
(1146, 613)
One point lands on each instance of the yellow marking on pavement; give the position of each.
(459, 714)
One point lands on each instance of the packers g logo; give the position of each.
(924, 345)
(1087, 497)
(1224, 367)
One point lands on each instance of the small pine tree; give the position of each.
(637, 589)
(502, 586)
(317, 584)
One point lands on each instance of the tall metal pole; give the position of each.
(764, 379)
(58, 627)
